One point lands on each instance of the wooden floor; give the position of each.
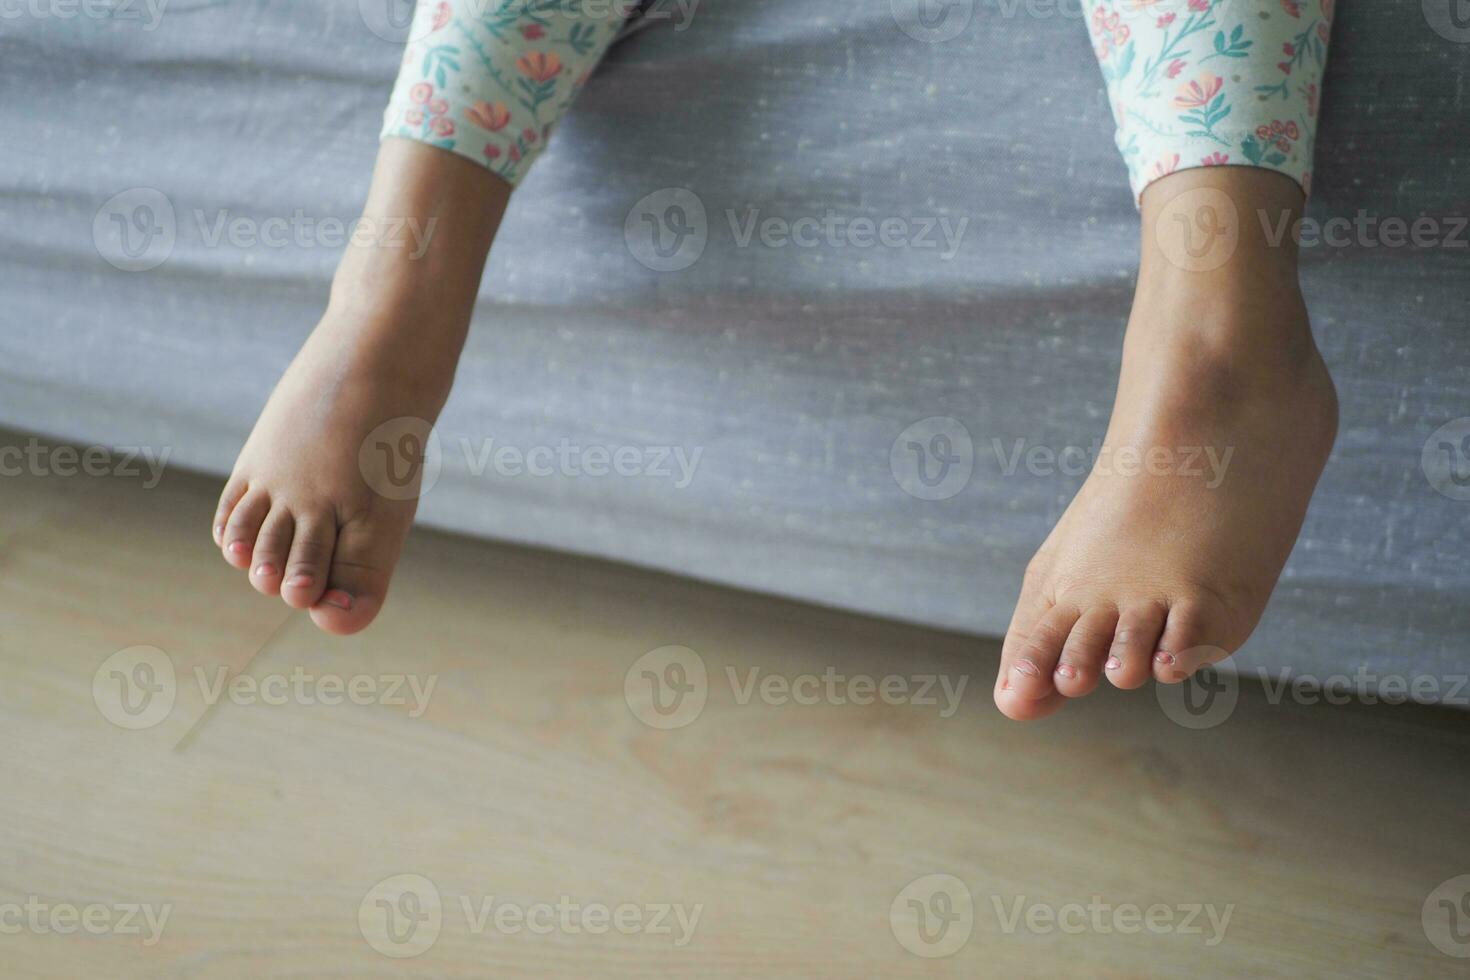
(276, 836)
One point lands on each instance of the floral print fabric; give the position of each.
(1208, 83)
(1193, 83)
(489, 79)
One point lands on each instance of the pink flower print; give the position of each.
(1175, 67)
(1292, 7)
(1288, 49)
(1263, 132)
(533, 32)
(1200, 92)
(1293, 131)
(1110, 31)
(493, 116)
(492, 152)
(414, 116)
(1166, 166)
(442, 15)
(1200, 6)
(442, 126)
(1327, 6)
(1285, 67)
(1324, 33)
(539, 66)
(421, 93)
(1164, 21)
(528, 134)
(515, 154)
(1312, 99)
(1216, 159)
(438, 106)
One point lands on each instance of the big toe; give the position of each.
(357, 583)
(1029, 658)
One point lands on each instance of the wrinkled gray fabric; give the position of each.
(793, 369)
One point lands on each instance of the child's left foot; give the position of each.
(1163, 563)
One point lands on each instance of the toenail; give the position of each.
(299, 581)
(1067, 670)
(239, 547)
(338, 598)
(1026, 667)
(1113, 663)
(1164, 658)
(265, 570)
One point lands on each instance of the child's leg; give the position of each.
(1225, 412)
(324, 492)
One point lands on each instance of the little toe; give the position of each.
(1129, 663)
(243, 527)
(311, 560)
(357, 584)
(234, 489)
(1030, 656)
(268, 557)
(1080, 666)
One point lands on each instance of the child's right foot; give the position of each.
(322, 497)
(301, 513)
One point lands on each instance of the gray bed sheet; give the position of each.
(790, 369)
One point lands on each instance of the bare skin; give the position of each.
(1153, 571)
(1147, 574)
(304, 512)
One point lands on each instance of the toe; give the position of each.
(311, 560)
(1017, 708)
(243, 527)
(362, 564)
(1030, 655)
(234, 489)
(268, 557)
(1080, 666)
(1130, 659)
(1190, 640)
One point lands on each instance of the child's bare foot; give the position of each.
(314, 511)
(299, 513)
(1164, 563)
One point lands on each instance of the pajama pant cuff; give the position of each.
(1282, 145)
(1207, 83)
(489, 79)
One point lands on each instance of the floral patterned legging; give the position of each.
(1193, 83)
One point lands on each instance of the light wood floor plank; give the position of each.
(528, 778)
